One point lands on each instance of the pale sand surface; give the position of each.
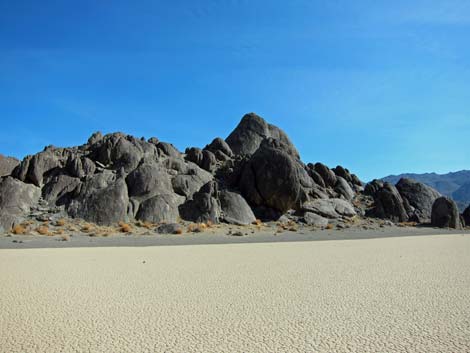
(407, 294)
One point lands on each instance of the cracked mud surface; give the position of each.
(409, 294)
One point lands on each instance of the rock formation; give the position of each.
(445, 214)
(255, 173)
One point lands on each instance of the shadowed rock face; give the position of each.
(7, 165)
(419, 197)
(273, 178)
(445, 214)
(251, 131)
(466, 217)
(117, 177)
(389, 204)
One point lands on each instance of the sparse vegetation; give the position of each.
(197, 227)
(60, 223)
(125, 227)
(65, 237)
(43, 230)
(19, 229)
(87, 228)
(329, 226)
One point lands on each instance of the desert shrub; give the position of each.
(43, 230)
(87, 227)
(197, 227)
(19, 229)
(125, 227)
(329, 226)
(60, 223)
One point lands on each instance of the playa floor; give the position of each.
(398, 294)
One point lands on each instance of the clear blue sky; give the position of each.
(380, 87)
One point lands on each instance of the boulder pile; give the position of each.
(255, 173)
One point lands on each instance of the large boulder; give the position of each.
(373, 187)
(389, 204)
(118, 151)
(80, 166)
(344, 189)
(312, 219)
(59, 191)
(168, 149)
(466, 217)
(7, 165)
(190, 180)
(235, 209)
(41, 167)
(420, 198)
(148, 179)
(343, 173)
(328, 176)
(273, 178)
(251, 131)
(329, 208)
(219, 144)
(160, 208)
(102, 199)
(204, 206)
(317, 178)
(16, 200)
(445, 214)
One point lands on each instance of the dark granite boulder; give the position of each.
(445, 214)
(419, 197)
(16, 200)
(7, 165)
(251, 131)
(102, 199)
(235, 209)
(204, 206)
(159, 208)
(328, 176)
(272, 178)
(389, 204)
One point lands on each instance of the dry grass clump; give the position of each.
(58, 232)
(125, 227)
(145, 224)
(179, 231)
(60, 223)
(44, 230)
(290, 225)
(197, 227)
(19, 229)
(209, 224)
(329, 226)
(65, 237)
(87, 228)
(257, 222)
(407, 224)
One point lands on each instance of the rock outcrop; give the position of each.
(389, 204)
(409, 200)
(255, 173)
(445, 214)
(7, 165)
(419, 199)
(251, 131)
(466, 216)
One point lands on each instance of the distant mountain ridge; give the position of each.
(455, 184)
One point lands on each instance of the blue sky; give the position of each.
(380, 87)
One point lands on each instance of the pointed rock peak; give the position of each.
(251, 131)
